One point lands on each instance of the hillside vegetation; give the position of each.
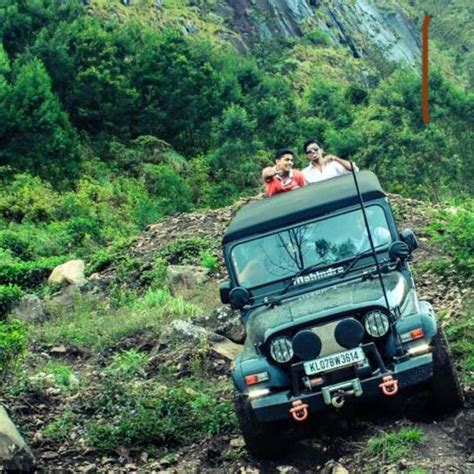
(113, 119)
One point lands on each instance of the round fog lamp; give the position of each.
(281, 349)
(376, 323)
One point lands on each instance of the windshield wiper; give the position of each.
(356, 259)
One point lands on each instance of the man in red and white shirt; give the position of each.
(282, 177)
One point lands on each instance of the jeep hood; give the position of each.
(319, 303)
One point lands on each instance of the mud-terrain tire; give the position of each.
(263, 440)
(447, 393)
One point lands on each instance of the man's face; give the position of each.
(284, 163)
(314, 152)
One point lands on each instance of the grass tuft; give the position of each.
(394, 446)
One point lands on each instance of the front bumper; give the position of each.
(277, 406)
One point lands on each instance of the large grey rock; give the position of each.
(71, 272)
(226, 322)
(29, 308)
(15, 455)
(184, 332)
(187, 275)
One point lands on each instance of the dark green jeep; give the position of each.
(321, 277)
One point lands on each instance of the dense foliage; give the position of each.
(106, 126)
(13, 343)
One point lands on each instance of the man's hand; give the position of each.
(345, 163)
(268, 173)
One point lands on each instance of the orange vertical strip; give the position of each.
(424, 60)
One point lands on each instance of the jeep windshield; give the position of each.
(320, 243)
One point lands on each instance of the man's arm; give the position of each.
(268, 173)
(344, 163)
(300, 178)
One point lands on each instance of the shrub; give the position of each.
(13, 343)
(60, 429)
(63, 375)
(171, 191)
(453, 228)
(15, 243)
(80, 227)
(187, 250)
(27, 198)
(9, 294)
(157, 276)
(28, 274)
(127, 364)
(209, 261)
(104, 256)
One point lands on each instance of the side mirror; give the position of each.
(224, 290)
(409, 238)
(239, 297)
(398, 250)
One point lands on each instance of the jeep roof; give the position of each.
(305, 203)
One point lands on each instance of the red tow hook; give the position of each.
(299, 412)
(389, 386)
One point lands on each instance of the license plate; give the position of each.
(334, 361)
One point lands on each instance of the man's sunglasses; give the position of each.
(312, 150)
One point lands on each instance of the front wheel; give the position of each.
(446, 389)
(263, 440)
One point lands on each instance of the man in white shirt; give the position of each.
(321, 168)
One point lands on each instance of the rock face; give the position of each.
(366, 27)
(187, 275)
(15, 455)
(71, 272)
(29, 309)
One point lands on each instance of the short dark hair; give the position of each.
(311, 140)
(283, 151)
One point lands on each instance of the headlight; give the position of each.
(376, 323)
(281, 349)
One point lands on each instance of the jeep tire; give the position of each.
(447, 394)
(263, 440)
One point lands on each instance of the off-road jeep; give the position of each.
(321, 277)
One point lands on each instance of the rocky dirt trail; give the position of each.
(449, 443)
(340, 449)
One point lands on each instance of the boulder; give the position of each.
(15, 455)
(183, 331)
(29, 308)
(66, 299)
(226, 322)
(187, 275)
(187, 333)
(71, 272)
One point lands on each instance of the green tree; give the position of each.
(183, 86)
(22, 20)
(235, 163)
(39, 137)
